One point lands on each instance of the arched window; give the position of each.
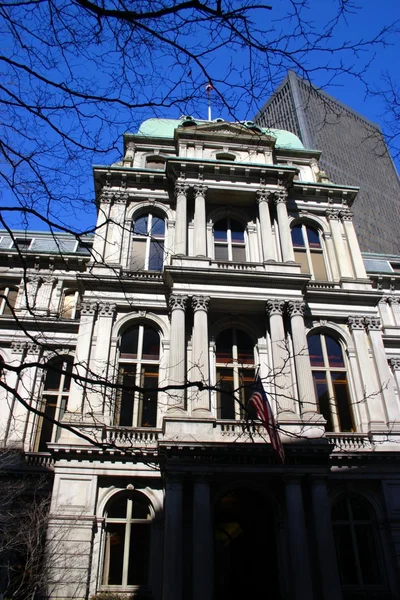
(148, 243)
(330, 381)
(357, 544)
(225, 156)
(155, 162)
(8, 298)
(229, 241)
(235, 373)
(54, 400)
(127, 543)
(308, 251)
(138, 367)
(70, 305)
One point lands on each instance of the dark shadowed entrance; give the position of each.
(246, 564)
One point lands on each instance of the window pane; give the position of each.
(367, 555)
(220, 230)
(300, 256)
(313, 238)
(224, 346)
(157, 226)
(46, 429)
(334, 351)
(318, 264)
(151, 344)
(126, 396)
(345, 553)
(140, 509)
(245, 347)
(139, 554)
(340, 511)
(149, 399)
(221, 252)
(239, 253)
(53, 377)
(129, 342)
(67, 368)
(339, 381)
(156, 259)
(225, 398)
(117, 509)
(237, 231)
(359, 510)
(155, 163)
(115, 541)
(315, 350)
(68, 305)
(12, 298)
(246, 381)
(140, 225)
(297, 236)
(138, 255)
(322, 392)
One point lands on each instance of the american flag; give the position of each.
(264, 413)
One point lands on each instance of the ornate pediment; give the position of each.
(225, 129)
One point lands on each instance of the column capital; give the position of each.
(107, 309)
(280, 196)
(346, 214)
(177, 301)
(394, 363)
(200, 303)
(355, 322)
(391, 299)
(296, 308)
(275, 306)
(372, 323)
(88, 308)
(263, 195)
(200, 190)
(332, 214)
(181, 188)
(18, 347)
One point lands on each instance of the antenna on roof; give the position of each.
(209, 89)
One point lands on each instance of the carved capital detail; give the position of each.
(394, 363)
(372, 323)
(346, 214)
(107, 309)
(200, 303)
(392, 300)
(264, 195)
(200, 190)
(296, 308)
(88, 308)
(280, 195)
(275, 307)
(18, 347)
(177, 301)
(355, 322)
(332, 213)
(181, 189)
(32, 348)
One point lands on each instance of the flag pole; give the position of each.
(209, 88)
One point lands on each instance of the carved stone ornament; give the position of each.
(177, 302)
(275, 307)
(34, 279)
(346, 214)
(395, 363)
(106, 196)
(88, 308)
(32, 348)
(296, 308)
(332, 213)
(50, 279)
(372, 323)
(121, 197)
(392, 300)
(181, 189)
(355, 322)
(280, 195)
(107, 309)
(18, 347)
(200, 303)
(264, 195)
(200, 190)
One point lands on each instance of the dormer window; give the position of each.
(22, 244)
(155, 162)
(225, 156)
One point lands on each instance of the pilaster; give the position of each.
(200, 231)
(267, 240)
(177, 358)
(280, 199)
(280, 357)
(200, 356)
(333, 216)
(181, 225)
(173, 550)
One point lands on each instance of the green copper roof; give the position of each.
(164, 128)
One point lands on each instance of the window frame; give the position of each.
(156, 158)
(76, 306)
(149, 238)
(3, 304)
(310, 251)
(229, 243)
(26, 244)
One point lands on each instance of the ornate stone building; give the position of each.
(218, 254)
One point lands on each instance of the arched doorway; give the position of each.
(246, 561)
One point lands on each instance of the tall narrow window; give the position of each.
(127, 545)
(8, 298)
(330, 381)
(229, 241)
(54, 401)
(357, 544)
(139, 365)
(308, 251)
(148, 243)
(70, 305)
(235, 373)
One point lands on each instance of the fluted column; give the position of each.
(82, 356)
(305, 383)
(200, 354)
(173, 551)
(333, 216)
(200, 226)
(394, 302)
(355, 252)
(44, 294)
(280, 356)
(103, 220)
(298, 543)
(280, 199)
(395, 366)
(30, 288)
(177, 354)
(56, 299)
(202, 540)
(115, 232)
(267, 239)
(181, 225)
(373, 327)
(325, 550)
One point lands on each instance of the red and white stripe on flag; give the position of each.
(264, 413)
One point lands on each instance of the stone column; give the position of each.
(305, 383)
(330, 249)
(103, 218)
(267, 239)
(82, 356)
(280, 199)
(114, 242)
(333, 216)
(200, 355)
(202, 540)
(177, 354)
(253, 250)
(200, 228)
(44, 294)
(101, 394)
(181, 225)
(372, 398)
(30, 287)
(373, 327)
(394, 302)
(172, 575)
(355, 252)
(298, 543)
(395, 366)
(56, 299)
(325, 550)
(280, 357)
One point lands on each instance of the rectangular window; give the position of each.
(318, 264)
(124, 416)
(239, 253)
(221, 252)
(138, 255)
(300, 256)
(115, 543)
(322, 392)
(225, 398)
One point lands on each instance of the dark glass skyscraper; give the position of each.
(354, 152)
